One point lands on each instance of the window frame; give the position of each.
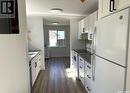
(57, 39)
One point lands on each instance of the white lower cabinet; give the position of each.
(88, 77)
(81, 70)
(35, 67)
(74, 62)
(33, 71)
(85, 74)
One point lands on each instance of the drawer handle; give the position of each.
(81, 76)
(35, 64)
(81, 67)
(88, 76)
(81, 60)
(88, 89)
(89, 67)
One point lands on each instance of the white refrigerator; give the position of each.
(111, 46)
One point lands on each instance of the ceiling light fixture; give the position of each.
(82, 1)
(56, 10)
(55, 23)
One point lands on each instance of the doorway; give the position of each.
(57, 41)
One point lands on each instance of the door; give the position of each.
(109, 78)
(111, 37)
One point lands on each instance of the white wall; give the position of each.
(36, 35)
(58, 51)
(14, 68)
(74, 42)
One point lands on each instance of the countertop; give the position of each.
(84, 54)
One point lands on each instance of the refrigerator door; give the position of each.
(111, 37)
(109, 78)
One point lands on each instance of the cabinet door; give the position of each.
(38, 68)
(72, 61)
(92, 20)
(75, 63)
(86, 25)
(33, 71)
(81, 70)
(80, 30)
(123, 4)
(104, 7)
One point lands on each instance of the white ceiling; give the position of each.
(72, 8)
(62, 20)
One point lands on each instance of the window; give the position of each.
(56, 38)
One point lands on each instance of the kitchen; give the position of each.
(90, 53)
(101, 63)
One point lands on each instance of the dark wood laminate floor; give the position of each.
(57, 80)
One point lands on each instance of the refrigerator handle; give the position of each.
(94, 50)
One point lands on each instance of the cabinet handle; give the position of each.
(88, 76)
(110, 7)
(81, 76)
(81, 67)
(35, 64)
(83, 29)
(89, 67)
(81, 60)
(88, 89)
(114, 5)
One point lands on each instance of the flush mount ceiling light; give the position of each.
(56, 10)
(55, 23)
(82, 1)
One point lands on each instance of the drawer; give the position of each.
(82, 79)
(88, 66)
(81, 67)
(81, 60)
(88, 85)
(81, 63)
(88, 75)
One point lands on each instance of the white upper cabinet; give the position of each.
(103, 8)
(92, 20)
(87, 25)
(107, 7)
(81, 28)
(123, 3)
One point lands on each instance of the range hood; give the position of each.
(84, 36)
